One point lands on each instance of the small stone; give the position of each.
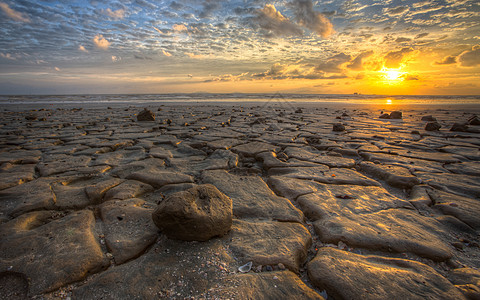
(429, 118)
(246, 267)
(473, 121)
(459, 127)
(268, 268)
(433, 126)
(258, 269)
(281, 266)
(458, 245)
(299, 111)
(338, 127)
(146, 115)
(384, 116)
(396, 115)
(415, 132)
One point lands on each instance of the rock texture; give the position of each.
(197, 214)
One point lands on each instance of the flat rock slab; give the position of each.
(170, 269)
(345, 275)
(253, 148)
(269, 285)
(97, 191)
(270, 160)
(51, 253)
(323, 174)
(70, 197)
(464, 185)
(315, 156)
(129, 228)
(463, 208)
(252, 198)
(20, 156)
(471, 168)
(413, 164)
(270, 243)
(224, 143)
(124, 171)
(119, 157)
(62, 163)
(127, 189)
(158, 178)
(292, 188)
(13, 175)
(369, 217)
(467, 280)
(33, 195)
(393, 175)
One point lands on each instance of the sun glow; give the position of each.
(392, 74)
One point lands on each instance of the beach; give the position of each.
(337, 200)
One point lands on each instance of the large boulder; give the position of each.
(197, 214)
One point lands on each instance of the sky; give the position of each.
(393, 47)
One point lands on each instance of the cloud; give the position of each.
(100, 42)
(115, 14)
(334, 64)
(470, 58)
(57, 69)
(166, 53)
(311, 19)
(421, 35)
(395, 11)
(268, 18)
(393, 59)
(7, 56)
(402, 40)
(13, 14)
(357, 63)
(82, 48)
(116, 58)
(448, 60)
(409, 77)
(179, 28)
(194, 56)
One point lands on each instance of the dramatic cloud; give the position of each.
(268, 18)
(116, 14)
(306, 16)
(395, 11)
(82, 48)
(357, 63)
(100, 42)
(13, 14)
(448, 60)
(470, 58)
(393, 59)
(334, 64)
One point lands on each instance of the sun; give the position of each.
(392, 74)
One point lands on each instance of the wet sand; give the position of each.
(380, 209)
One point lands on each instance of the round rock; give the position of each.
(432, 126)
(396, 115)
(197, 214)
(338, 127)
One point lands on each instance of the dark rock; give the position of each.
(384, 116)
(460, 127)
(197, 214)
(432, 126)
(396, 115)
(299, 111)
(415, 132)
(473, 121)
(31, 117)
(146, 115)
(429, 118)
(338, 127)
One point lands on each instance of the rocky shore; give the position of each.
(264, 201)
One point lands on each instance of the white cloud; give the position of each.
(166, 53)
(116, 58)
(270, 19)
(13, 14)
(82, 48)
(179, 28)
(115, 14)
(57, 69)
(311, 19)
(100, 42)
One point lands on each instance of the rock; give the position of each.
(270, 242)
(158, 178)
(62, 163)
(13, 174)
(127, 190)
(384, 116)
(429, 118)
(253, 148)
(252, 198)
(20, 156)
(459, 184)
(393, 175)
(146, 115)
(396, 115)
(433, 126)
(463, 208)
(97, 191)
(467, 280)
(338, 127)
(197, 214)
(474, 120)
(415, 132)
(459, 127)
(129, 228)
(345, 275)
(313, 155)
(51, 252)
